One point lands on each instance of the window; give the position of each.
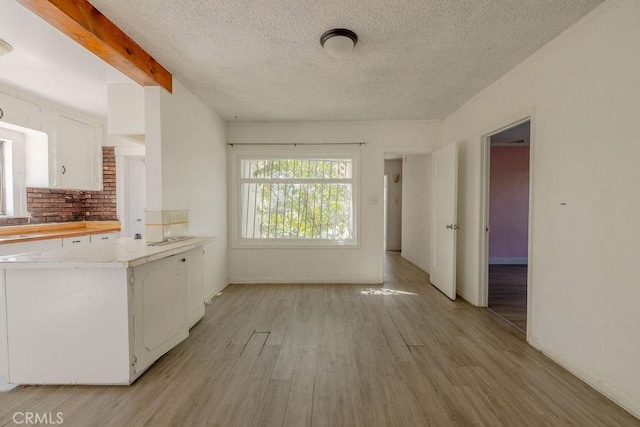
(13, 192)
(296, 200)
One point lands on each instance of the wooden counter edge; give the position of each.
(30, 233)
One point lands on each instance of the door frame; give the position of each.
(122, 153)
(127, 196)
(485, 169)
(385, 210)
(396, 151)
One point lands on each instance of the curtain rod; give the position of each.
(295, 144)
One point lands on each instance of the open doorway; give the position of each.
(508, 160)
(406, 214)
(393, 203)
(135, 190)
(426, 201)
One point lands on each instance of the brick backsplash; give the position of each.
(51, 205)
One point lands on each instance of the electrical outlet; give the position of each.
(373, 199)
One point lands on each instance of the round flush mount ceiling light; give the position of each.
(338, 42)
(5, 47)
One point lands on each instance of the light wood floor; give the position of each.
(508, 293)
(331, 355)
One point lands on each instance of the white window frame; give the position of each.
(15, 190)
(239, 154)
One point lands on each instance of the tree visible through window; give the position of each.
(297, 198)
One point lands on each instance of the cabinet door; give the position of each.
(78, 145)
(195, 279)
(68, 242)
(103, 237)
(160, 308)
(18, 112)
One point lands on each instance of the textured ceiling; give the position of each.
(415, 59)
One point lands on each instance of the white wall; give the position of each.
(394, 204)
(585, 90)
(120, 141)
(125, 104)
(153, 98)
(192, 171)
(339, 265)
(416, 213)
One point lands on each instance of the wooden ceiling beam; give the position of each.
(86, 25)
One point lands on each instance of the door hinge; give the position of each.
(134, 360)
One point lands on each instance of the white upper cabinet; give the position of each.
(78, 145)
(66, 150)
(18, 112)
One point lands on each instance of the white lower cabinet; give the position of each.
(195, 284)
(71, 241)
(160, 308)
(99, 325)
(168, 297)
(53, 244)
(66, 325)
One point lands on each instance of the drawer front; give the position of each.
(26, 247)
(104, 237)
(71, 241)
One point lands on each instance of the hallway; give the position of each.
(365, 355)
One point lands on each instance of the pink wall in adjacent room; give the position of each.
(509, 202)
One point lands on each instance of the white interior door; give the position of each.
(443, 223)
(135, 195)
(386, 212)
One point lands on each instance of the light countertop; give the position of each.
(118, 253)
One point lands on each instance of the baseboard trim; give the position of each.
(216, 292)
(414, 262)
(613, 393)
(509, 260)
